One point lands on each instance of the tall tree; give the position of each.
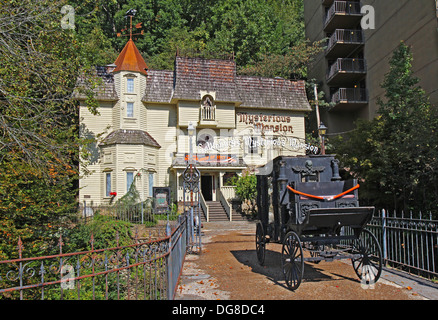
(394, 154)
(39, 144)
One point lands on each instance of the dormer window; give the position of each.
(208, 109)
(130, 85)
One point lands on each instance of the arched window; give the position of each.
(208, 109)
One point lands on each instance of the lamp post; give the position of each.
(322, 132)
(191, 177)
(191, 132)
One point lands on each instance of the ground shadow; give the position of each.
(272, 270)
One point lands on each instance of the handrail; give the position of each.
(204, 206)
(225, 204)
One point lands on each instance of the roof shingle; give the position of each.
(128, 136)
(191, 75)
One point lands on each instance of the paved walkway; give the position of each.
(228, 269)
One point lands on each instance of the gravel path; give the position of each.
(227, 269)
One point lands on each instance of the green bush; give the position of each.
(104, 230)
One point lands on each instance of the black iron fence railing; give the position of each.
(409, 244)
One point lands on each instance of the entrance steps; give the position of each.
(217, 213)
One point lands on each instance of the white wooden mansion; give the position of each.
(143, 116)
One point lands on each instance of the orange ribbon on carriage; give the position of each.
(325, 198)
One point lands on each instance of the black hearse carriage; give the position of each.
(304, 204)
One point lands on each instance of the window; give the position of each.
(151, 184)
(208, 109)
(107, 184)
(130, 109)
(129, 180)
(130, 85)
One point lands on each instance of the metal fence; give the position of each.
(146, 269)
(139, 213)
(408, 243)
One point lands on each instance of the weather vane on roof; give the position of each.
(131, 13)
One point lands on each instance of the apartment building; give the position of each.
(352, 67)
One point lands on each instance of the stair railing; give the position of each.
(225, 204)
(204, 206)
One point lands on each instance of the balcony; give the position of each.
(342, 15)
(343, 42)
(208, 115)
(346, 71)
(349, 99)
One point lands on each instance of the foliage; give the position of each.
(39, 145)
(249, 29)
(39, 122)
(394, 154)
(246, 186)
(292, 65)
(104, 230)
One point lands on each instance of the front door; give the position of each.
(207, 187)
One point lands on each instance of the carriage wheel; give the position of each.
(292, 260)
(368, 266)
(260, 243)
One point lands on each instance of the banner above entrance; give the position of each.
(213, 159)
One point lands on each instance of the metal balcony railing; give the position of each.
(345, 36)
(344, 8)
(346, 65)
(350, 95)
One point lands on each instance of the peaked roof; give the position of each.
(130, 59)
(194, 74)
(130, 136)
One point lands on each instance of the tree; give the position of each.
(39, 121)
(292, 65)
(394, 154)
(246, 190)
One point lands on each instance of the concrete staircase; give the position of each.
(218, 213)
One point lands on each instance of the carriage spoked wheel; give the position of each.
(260, 243)
(292, 260)
(368, 266)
